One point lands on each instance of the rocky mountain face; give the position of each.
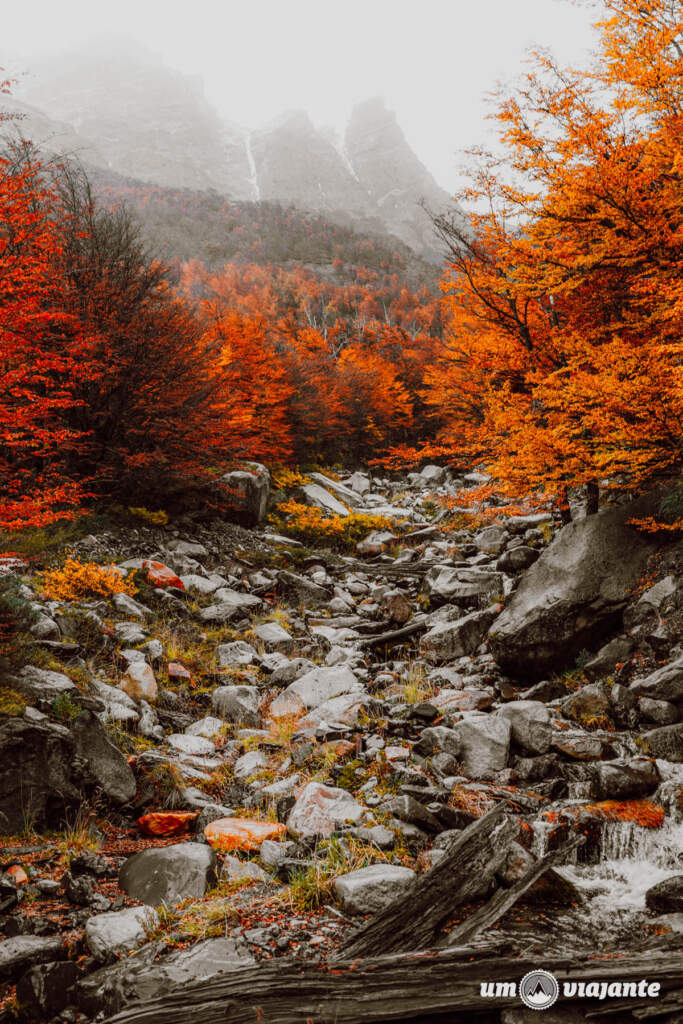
(123, 109)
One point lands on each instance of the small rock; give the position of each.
(120, 931)
(139, 682)
(169, 874)
(369, 889)
(319, 809)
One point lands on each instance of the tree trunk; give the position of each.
(412, 921)
(592, 498)
(392, 988)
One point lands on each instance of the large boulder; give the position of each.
(107, 766)
(248, 491)
(169, 874)
(19, 953)
(36, 779)
(666, 897)
(573, 596)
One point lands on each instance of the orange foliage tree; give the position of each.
(563, 360)
(43, 354)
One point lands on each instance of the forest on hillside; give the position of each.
(549, 350)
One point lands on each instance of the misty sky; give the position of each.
(432, 60)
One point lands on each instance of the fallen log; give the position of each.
(418, 625)
(465, 873)
(387, 988)
(504, 899)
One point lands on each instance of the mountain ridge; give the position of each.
(138, 117)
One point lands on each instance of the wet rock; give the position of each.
(237, 704)
(666, 742)
(319, 809)
(119, 931)
(20, 953)
(581, 746)
(573, 595)
(456, 639)
(46, 989)
(36, 777)
(369, 889)
(530, 725)
(169, 874)
(666, 897)
(619, 781)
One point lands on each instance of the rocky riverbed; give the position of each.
(269, 742)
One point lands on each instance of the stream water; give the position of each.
(631, 860)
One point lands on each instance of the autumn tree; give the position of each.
(44, 355)
(564, 357)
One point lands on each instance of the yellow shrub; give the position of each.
(284, 479)
(159, 518)
(310, 525)
(84, 579)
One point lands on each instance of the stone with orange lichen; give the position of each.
(167, 823)
(159, 575)
(641, 812)
(226, 834)
(17, 873)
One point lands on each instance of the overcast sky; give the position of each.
(432, 60)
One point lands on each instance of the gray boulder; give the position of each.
(45, 990)
(169, 874)
(624, 781)
(36, 778)
(299, 590)
(573, 596)
(237, 704)
(23, 951)
(666, 742)
(666, 897)
(484, 745)
(666, 683)
(369, 889)
(449, 640)
(530, 725)
(107, 765)
(119, 931)
(248, 492)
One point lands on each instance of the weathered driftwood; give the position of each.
(504, 899)
(418, 625)
(387, 988)
(412, 921)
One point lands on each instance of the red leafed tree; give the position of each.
(44, 355)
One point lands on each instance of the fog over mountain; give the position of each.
(115, 104)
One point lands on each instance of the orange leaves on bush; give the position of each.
(76, 580)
